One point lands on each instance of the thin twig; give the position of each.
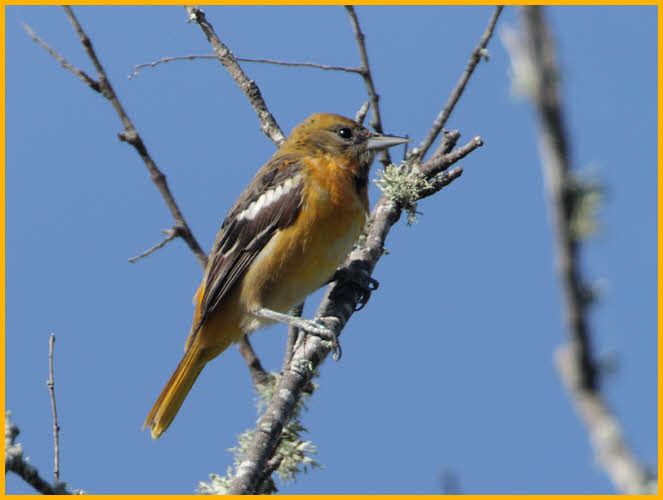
(376, 120)
(293, 335)
(447, 143)
(360, 116)
(171, 234)
(420, 151)
(84, 77)
(16, 463)
(439, 163)
(258, 373)
(575, 361)
(50, 383)
(245, 59)
(130, 133)
(268, 124)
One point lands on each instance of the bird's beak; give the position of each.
(380, 142)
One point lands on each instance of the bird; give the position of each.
(284, 238)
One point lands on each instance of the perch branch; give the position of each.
(339, 302)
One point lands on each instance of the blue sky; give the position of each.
(448, 367)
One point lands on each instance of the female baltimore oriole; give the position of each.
(283, 238)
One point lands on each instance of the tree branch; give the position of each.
(130, 133)
(268, 124)
(324, 67)
(575, 361)
(420, 151)
(171, 234)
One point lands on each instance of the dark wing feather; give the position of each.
(241, 238)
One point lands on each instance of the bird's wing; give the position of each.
(271, 202)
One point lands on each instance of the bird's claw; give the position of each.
(328, 333)
(364, 283)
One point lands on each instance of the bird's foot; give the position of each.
(364, 283)
(319, 327)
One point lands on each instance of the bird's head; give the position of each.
(337, 136)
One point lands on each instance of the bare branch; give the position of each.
(439, 163)
(16, 463)
(420, 151)
(84, 77)
(575, 361)
(258, 373)
(50, 383)
(130, 133)
(376, 120)
(268, 124)
(244, 59)
(449, 140)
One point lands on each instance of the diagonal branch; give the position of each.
(130, 134)
(180, 228)
(339, 302)
(575, 361)
(480, 50)
(249, 87)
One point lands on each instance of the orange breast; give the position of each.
(300, 259)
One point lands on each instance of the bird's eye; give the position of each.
(345, 133)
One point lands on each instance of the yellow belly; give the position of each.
(300, 259)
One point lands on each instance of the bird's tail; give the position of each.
(172, 396)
